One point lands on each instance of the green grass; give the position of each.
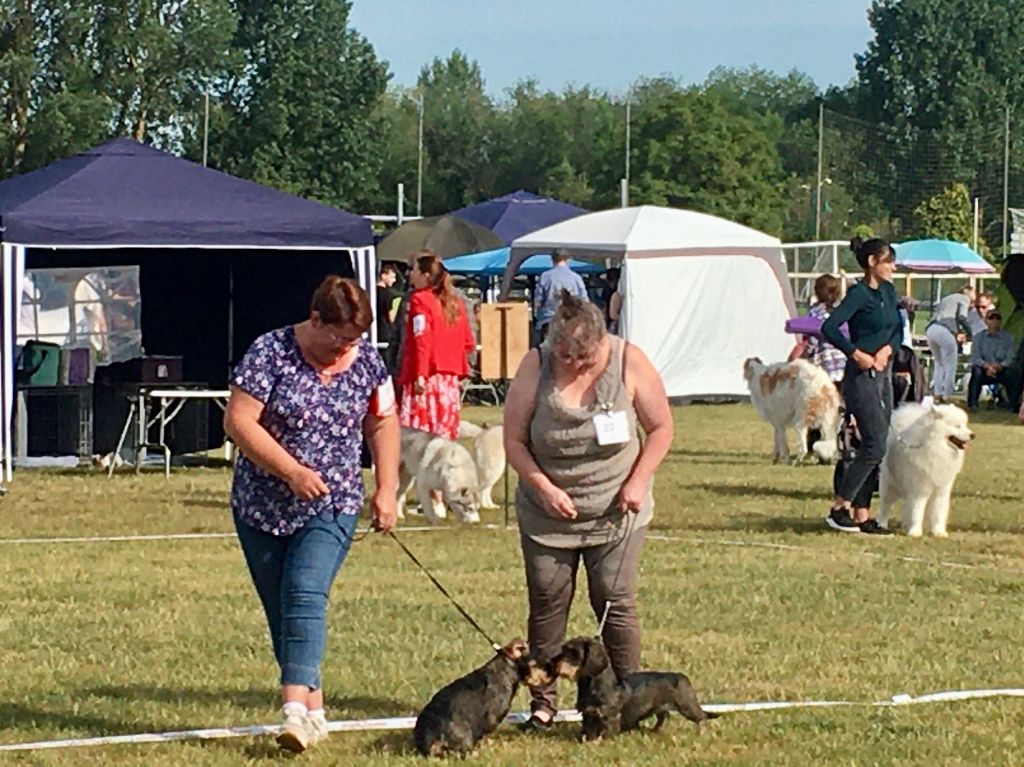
(114, 638)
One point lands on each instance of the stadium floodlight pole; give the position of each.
(977, 204)
(629, 114)
(821, 148)
(206, 126)
(1006, 184)
(419, 161)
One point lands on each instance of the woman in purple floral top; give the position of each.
(302, 400)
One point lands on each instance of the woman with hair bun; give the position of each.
(573, 417)
(438, 342)
(871, 312)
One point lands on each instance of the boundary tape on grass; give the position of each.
(407, 722)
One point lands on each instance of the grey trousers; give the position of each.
(551, 583)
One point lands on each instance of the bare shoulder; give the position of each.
(639, 368)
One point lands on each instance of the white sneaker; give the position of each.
(295, 733)
(317, 730)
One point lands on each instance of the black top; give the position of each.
(873, 317)
(385, 298)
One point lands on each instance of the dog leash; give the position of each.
(443, 590)
(630, 520)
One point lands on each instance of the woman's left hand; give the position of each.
(384, 506)
(633, 494)
(882, 357)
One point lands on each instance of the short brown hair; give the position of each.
(577, 325)
(826, 290)
(341, 301)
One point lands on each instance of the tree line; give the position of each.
(299, 100)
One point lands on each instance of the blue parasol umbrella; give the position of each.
(935, 256)
(492, 263)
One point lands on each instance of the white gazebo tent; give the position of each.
(701, 293)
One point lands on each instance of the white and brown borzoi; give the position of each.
(799, 395)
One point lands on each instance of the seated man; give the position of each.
(992, 360)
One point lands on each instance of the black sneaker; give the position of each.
(871, 527)
(840, 520)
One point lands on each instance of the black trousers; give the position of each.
(868, 396)
(1007, 377)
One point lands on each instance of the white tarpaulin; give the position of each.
(701, 293)
(699, 317)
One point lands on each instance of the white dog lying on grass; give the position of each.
(924, 455)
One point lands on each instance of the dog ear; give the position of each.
(595, 659)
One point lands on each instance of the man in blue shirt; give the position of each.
(550, 286)
(992, 352)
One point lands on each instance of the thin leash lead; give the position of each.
(630, 520)
(444, 591)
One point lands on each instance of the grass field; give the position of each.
(113, 638)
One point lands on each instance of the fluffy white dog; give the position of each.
(489, 455)
(435, 463)
(799, 395)
(924, 455)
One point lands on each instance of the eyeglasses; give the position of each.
(341, 340)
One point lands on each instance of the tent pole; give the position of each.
(231, 313)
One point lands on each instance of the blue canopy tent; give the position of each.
(221, 259)
(518, 213)
(492, 263)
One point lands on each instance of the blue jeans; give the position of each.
(293, 576)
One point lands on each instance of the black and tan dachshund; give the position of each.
(463, 712)
(610, 705)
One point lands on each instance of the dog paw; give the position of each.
(940, 533)
(915, 532)
(471, 517)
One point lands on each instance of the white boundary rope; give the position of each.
(407, 722)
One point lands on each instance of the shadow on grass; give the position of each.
(206, 503)
(822, 494)
(395, 742)
(352, 706)
(718, 457)
(17, 715)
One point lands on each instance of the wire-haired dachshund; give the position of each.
(463, 712)
(610, 705)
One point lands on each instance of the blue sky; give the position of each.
(610, 43)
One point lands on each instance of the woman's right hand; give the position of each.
(557, 502)
(864, 360)
(306, 483)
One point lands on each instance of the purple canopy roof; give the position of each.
(513, 215)
(124, 193)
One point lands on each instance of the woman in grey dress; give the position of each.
(585, 479)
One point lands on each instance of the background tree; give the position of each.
(693, 152)
(459, 128)
(300, 114)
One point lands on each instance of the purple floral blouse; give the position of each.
(321, 425)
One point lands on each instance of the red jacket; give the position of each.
(431, 344)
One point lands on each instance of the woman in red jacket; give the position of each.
(438, 340)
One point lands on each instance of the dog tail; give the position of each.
(469, 430)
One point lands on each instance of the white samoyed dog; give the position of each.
(924, 455)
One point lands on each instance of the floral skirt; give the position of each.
(436, 410)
